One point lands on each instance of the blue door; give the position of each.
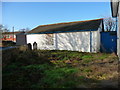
(109, 42)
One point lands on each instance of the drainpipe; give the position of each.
(90, 41)
(116, 29)
(116, 24)
(56, 43)
(118, 37)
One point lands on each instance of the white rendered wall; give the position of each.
(77, 41)
(118, 33)
(74, 41)
(95, 41)
(40, 40)
(98, 41)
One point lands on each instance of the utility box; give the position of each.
(21, 39)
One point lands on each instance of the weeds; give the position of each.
(59, 77)
(54, 69)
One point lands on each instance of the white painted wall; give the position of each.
(98, 37)
(75, 41)
(40, 40)
(96, 41)
(118, 33)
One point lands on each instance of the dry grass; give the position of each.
(59, 69)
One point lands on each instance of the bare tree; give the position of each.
(24, 29)
(109, 24)
(3, 28)
(27, 29)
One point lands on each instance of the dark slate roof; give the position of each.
(114, 7)
(10, 32)
(68, 26)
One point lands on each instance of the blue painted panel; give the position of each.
(109, 42)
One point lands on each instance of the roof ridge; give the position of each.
(71, 22)
(67, 23)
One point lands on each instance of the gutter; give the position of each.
(52, 32)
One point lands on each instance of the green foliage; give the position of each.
(59, 63)
(87, 70)
(87, 57)
(59, 77)
(48, 69)
(10, 68)
(36, 68)
(103, 56)
(67, 55)
(87, 61)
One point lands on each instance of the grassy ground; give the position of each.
(59, 69)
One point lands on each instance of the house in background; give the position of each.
(9, 36)
(83, 36)
(115, 8)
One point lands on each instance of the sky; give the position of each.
(32, 14)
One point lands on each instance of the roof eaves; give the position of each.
(114, 7)
(63, 31)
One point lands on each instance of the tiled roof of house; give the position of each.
(10, 32)
(68, 26)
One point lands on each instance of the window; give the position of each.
(49, 39)
(7, 36)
